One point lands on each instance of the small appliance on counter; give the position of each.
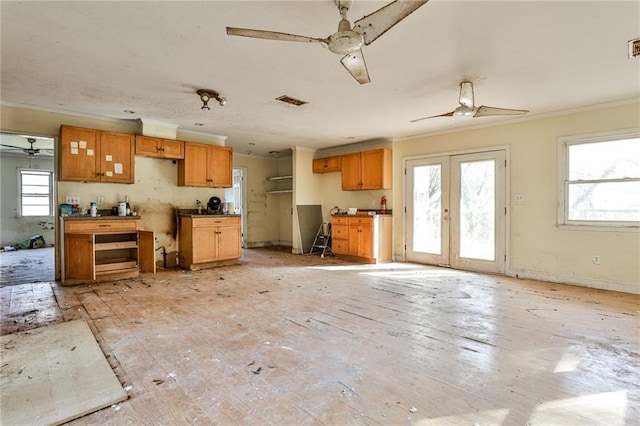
(214, 204)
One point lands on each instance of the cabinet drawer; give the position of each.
(366, 220)
(95, 226)
(340, 220)
(339, 232)
(340, 246)
(327, 165)
(215, 221)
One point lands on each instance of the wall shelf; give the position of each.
(279, 185)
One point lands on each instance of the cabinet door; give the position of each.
(365, 241)
(146, 251)
(351, 172)
(376, 169)
(79, 257)
(192, 171)
(172, 149)
(220, 164)
(229, 242)
(116, 157)
(79, 153)
(327, 165)
(204, 244)
(150, 147)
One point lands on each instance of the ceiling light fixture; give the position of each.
(206, 95)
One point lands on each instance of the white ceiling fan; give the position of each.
(30, 151)
(468, 108)
(348, 40)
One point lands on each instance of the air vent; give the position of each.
(289, 100)
(634, 48)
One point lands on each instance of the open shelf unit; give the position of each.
(279, 185)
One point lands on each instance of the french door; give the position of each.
(456, 211)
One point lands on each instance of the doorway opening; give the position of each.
(456, 211)
(28, 225)
(238, 194)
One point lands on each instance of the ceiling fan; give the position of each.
(468, 108)
(348, 40)
(31, 151)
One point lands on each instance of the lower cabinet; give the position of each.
(362, 238)
(105, 249)
(209, 241)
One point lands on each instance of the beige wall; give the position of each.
(538, 248)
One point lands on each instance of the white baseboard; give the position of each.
(624, 287)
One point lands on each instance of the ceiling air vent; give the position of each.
(634, 48)
(289, 100)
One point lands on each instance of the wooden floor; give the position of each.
(293, 340)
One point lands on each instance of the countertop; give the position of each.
(88, 217)
(203, 213)
(365, 213)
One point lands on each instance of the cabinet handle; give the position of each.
(104, 226)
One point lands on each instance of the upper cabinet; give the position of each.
(206, 165)
(89, 155)
(327, 165)
(160, 148)
(367, 170)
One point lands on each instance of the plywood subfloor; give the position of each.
(286, 339)
(53, 374)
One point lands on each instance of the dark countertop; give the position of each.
(203, 213)
(88, 217)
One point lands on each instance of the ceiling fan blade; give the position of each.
(486, 111)
(447, 114)
(12, 146)
(272, 35)
(379, 22)
(357, 67)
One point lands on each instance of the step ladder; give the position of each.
(322, 242)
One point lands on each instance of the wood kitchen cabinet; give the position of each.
(367, 170)
(105, 249)
(362, 238)
(206, 165)
(207, 241)
(327, 165)
(159, 147)
(89, 155)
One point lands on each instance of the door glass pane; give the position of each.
(427, 209)
(477, 210)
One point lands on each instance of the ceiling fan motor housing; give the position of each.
(345, 40)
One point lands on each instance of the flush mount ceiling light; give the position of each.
(206, 95)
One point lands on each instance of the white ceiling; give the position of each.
(102, 58)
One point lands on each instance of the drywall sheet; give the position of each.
(309, 220)
(54, 374)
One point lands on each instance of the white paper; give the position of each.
(89, 152)
(117, 168)
(109, 173)
(74, 151)
(83, 144)
(74, 144)
(108, 158)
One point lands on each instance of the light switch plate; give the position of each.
(520, 198)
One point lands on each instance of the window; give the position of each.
(600, 180)
(36, 195)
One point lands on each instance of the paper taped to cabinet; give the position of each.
(117, 168)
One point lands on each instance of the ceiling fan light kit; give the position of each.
(206, 95)
(347, 40)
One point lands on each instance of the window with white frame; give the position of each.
(600, 180)
(35, 192)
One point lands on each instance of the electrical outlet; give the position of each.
(596, 259)
(100, 201)
(73, 199)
